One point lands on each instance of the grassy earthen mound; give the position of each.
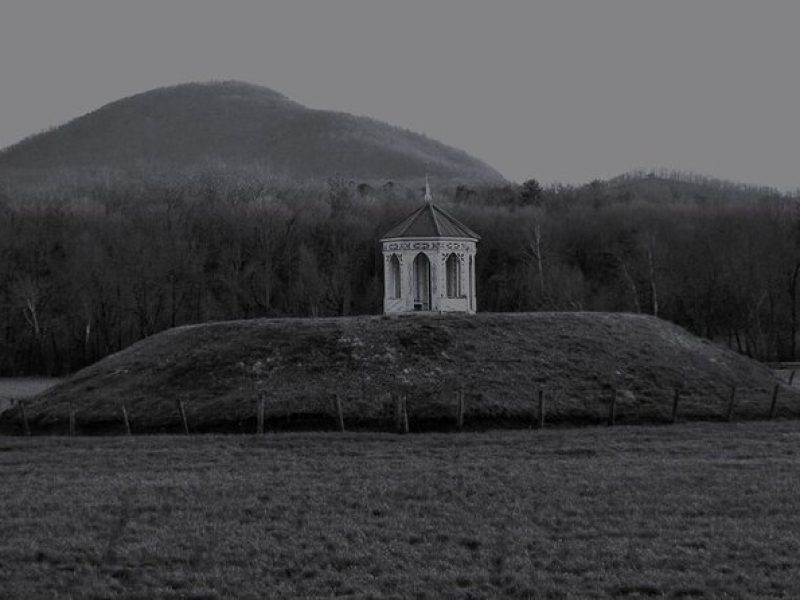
(500, 361)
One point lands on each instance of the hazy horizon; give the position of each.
(561, 91)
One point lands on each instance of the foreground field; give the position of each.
(686, 511)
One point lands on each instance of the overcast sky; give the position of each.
(559, 90)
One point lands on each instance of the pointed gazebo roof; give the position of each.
(430, 221)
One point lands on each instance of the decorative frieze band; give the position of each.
(450, 246)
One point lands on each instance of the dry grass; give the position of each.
(698, 510)
(14, 388)
(785, 375)
(500, 360)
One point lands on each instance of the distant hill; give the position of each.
(499, 360)
(677, 187)
(239, 124)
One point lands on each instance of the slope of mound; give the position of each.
(498, 360)
(236, 123)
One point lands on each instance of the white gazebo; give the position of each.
(429, 263)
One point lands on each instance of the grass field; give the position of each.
(695, 510)
(786, 374)
(14, 388)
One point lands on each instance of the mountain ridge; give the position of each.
(234, 122)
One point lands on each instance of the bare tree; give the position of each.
(535, 252)
(29, 292)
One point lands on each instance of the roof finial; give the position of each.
(428, 197)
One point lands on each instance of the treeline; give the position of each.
(88, 270)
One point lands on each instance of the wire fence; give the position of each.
(406, 410)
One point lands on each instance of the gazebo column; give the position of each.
(463, 275)
(437, 280)
(473, 296)
(408, 281)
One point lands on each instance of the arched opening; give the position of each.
(453, 276)
(422, 282)
(394, 277)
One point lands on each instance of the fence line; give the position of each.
(737, 401)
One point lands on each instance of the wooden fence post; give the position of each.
(125, 419)
(260, 414)
(541, 409)
(731, 403)
(71, 420)
(676, 399)
(460, 409)
(182, 412)
(405, 413)
(774, 406)
(398, 412)
(26, 428)
(339, 412)
(612, 408)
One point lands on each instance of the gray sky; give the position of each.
(560, 90)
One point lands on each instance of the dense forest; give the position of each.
(88, 267)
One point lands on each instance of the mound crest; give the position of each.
(499, 361)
